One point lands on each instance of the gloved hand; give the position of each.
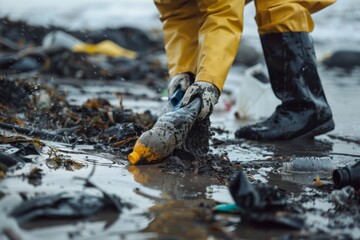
(182, 79)
(208, 93)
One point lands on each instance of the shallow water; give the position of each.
(153, 191)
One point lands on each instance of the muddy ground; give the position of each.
(94, 119)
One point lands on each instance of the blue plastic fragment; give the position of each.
(176, 98)
(228, 208)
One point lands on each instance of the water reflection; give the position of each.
(303, 147)
(174, 186)
(183, 215)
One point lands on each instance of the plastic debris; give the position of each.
(318, 182)
(10, 161)
(255, 97)
(122, 53)
(347, 176)
(60, 205)
(227, 208)
(168, 134)
(304, 170)
(308, 165)
(67, 205)
(107, 47)
(343, 196)
(255, 198)
(260, 204)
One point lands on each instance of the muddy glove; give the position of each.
(182, 80)
(208, 93)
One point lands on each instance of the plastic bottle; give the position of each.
(168, 133)
(255, 99)
(308, 165)
(174, 102)
(347, 176)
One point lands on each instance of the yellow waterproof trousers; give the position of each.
(273, 16)
(202, 36)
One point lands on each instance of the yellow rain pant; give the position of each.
(274, 16)
(202, 36)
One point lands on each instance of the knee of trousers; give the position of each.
(274, 16)
(177, 10)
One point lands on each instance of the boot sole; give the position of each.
(324, 128)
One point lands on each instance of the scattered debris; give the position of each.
(260, 204)
(65, 205)
(347, 176)
(8, 162)
(34, 105)
(318, 182)
(89, 123)
(308, 165)
(168, 133)
(70, 53)
(35, 176)
(251, 198)
(342, 197)
(307, 170)
(59, 39)
(69, 205)
(57, 160)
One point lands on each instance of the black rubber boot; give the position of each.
(304, 111)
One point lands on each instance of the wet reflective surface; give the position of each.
(179, 206)
(169, 204)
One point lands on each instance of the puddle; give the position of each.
(219, 193)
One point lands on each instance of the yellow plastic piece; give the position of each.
(134, 157)
(140, 151)
(318, 182)
(106, 47)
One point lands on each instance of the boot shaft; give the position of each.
(304, 111)
(291, 62)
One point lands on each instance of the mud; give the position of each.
(174, 198)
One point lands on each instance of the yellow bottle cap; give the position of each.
(134, 157)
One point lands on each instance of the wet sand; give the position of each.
(178, 205)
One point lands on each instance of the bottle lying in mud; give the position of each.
(347, 176)
(308, 165)
(168, 133)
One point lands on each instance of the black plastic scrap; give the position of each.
(8, 161)
(262, 204)
(347, 176)
(65, 205)
(17, 159)
(26, 148)
(61, 205)
(260, 198)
